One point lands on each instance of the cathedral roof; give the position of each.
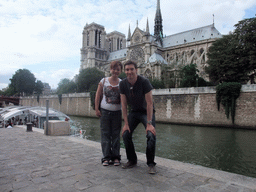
(194, 35)
(117, 54)
(156, 58)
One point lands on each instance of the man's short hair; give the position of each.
(115, 64)
(130, 62)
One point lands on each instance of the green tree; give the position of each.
(66, 86)
(122, 75)
(9, 91)
(88, 79)
(245, 35)
(39, 87)
(23, 81)
(233, 57)
(157, 84)
(190, 77)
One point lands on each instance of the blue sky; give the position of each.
(45, 36)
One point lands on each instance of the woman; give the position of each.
(110, 114)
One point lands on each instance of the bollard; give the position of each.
(29, 127)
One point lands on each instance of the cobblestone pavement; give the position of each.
(32, 161)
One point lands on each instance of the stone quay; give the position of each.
(32, 161)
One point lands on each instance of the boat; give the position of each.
(21, 115)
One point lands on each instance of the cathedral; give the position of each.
(157, 56)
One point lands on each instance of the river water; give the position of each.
(232, 150)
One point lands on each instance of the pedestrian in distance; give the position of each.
(109, 110)
(137, 92)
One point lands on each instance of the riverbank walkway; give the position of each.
(32, 161)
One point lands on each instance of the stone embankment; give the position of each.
(193, 106)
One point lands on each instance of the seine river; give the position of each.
(232, 150)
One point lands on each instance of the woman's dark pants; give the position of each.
(110, 123)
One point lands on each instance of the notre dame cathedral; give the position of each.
(156, 56)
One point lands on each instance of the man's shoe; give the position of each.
(151, 169)
(129, 164)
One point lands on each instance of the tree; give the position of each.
(233, 57)
(190, 77)
(9, 91)
(88, 79)
(122, 75)
(156, 83)
(66, 86)
(39, 87)
(245, 35)
(23, 81)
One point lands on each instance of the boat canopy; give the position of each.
(14, 111)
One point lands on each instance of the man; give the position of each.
(137, 92)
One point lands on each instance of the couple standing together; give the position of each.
(135, 91)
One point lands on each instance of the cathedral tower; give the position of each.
(93, 52)
(158, 30)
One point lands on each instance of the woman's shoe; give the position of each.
(105, 163)
(116, 162)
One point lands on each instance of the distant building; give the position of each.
(157, 56)
(47, 89)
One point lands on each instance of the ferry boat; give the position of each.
(20, 115)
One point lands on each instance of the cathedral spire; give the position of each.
(158, 28)
(147, 28)
(129, 34)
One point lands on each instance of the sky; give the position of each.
(45, 36)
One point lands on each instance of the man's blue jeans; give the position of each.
(110, 123)
(134, 118)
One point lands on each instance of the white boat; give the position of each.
(20, 115)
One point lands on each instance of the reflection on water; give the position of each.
(231, 150)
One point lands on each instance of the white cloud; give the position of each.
(47, 31)
(54, 77)
(3, 85)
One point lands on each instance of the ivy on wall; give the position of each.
(60, 98)
(92, 96)
(38, 97)
(226, 94)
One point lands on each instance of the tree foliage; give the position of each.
(190, 77)
(23, 81)
(122, 75)
(157, 84)
(39, 87)
(66, 86)
(9, 91)
(88, 79)
(233, 57)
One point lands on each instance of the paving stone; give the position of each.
(114, 184)
(6, 187)
(82, 185)
(39, 180)
(19, 185)
(67, 181)
(41, 173)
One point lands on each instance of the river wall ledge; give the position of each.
(191, 106)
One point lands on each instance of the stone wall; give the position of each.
(194, 106)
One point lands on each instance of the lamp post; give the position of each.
(47, 116)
